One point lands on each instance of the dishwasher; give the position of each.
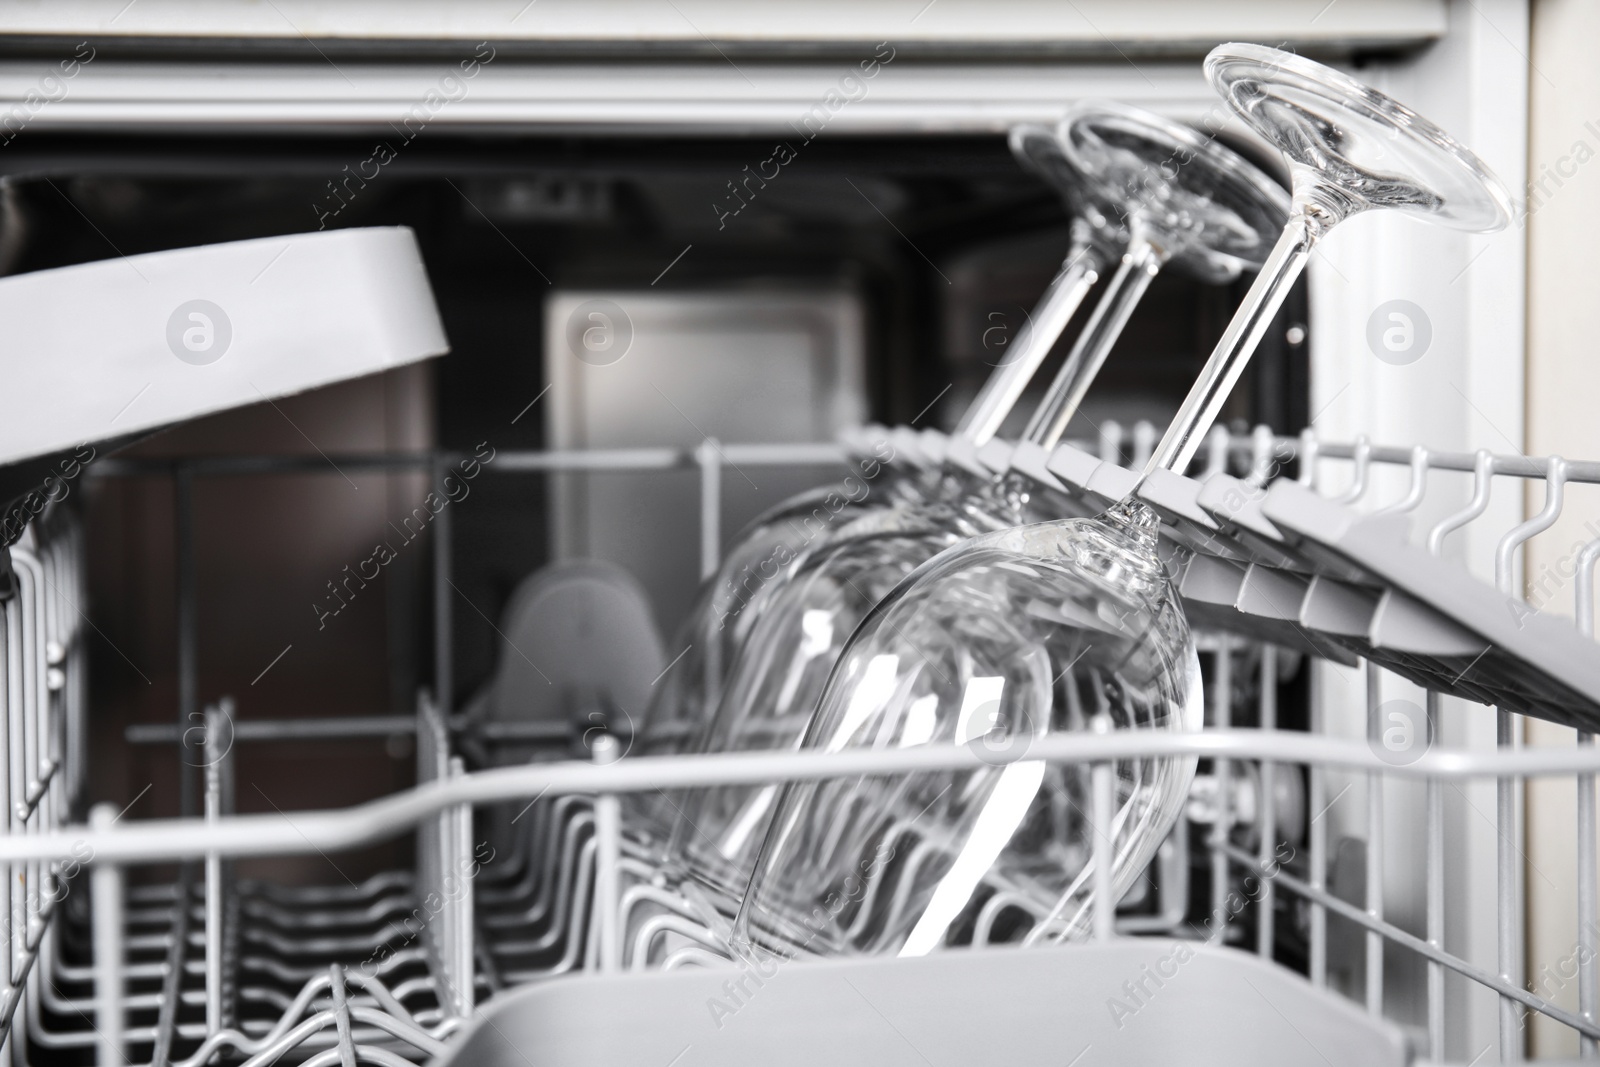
(1130, 730)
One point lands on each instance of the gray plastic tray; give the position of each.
(1137, 1001)
(1286, 565)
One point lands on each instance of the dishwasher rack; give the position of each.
(544, 882)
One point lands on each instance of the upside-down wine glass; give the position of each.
(766, 552)
(1187, 201)
(1054, 627)
(730, 602)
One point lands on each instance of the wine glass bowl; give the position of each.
(772, 693)
(1353, 147)
(730, 601)
(1006, 638)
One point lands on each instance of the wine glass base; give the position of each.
(1353, 148)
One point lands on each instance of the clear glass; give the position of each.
(764, 556)
(1349, 149)
(1001, 619)
(1188, 202)
(1015, 635)
(729, 603)
(767, 554)
(1207, 209)
(1163, 170)
(783, 668)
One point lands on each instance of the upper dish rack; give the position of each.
(1264, 558)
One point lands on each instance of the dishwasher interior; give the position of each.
(393, 826)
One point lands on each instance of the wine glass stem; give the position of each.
(1140, 264)
(1188, 430)
(999, 394)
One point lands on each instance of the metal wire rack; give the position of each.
(525, 873)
